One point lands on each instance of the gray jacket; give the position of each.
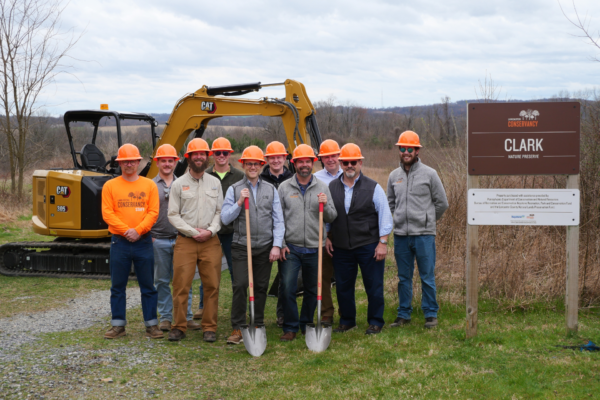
(417, 200)
(301, 213)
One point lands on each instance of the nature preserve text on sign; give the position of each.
(523, 138)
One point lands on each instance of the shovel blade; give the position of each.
(318, 337)
(255, 339)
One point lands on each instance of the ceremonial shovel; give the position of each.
(318, 337)
(255, 337)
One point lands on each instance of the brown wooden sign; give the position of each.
(533, 138)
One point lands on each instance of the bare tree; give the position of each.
(33, 46)
(488, 91)
(583, 25)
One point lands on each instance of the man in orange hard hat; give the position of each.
(300, 197)
(329, 153)
(130, 207)
(163, 240)
(358, 238)
(195, 211)
(417, 200)
(266, 229)
(275, 172)
(228, 175)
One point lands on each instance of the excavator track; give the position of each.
(59, 259)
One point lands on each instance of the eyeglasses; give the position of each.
(252, 164)
(167, 190)
(220, 153)
(353, 163)
(129, 162)
(405, 149)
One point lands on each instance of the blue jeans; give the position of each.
(226, 241)
(289, 285)
(346, 270)
(122, 254)
(163, 275)
(406, 249)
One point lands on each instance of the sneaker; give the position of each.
(198, 314)
(165, 326)
(115, 332)
(154, 333)
(287, 336)
(400, 322)
(280, 322)
(210, 336)
(373, 330)
(431, 322)
(236, 337)
(344, 328)
(176, 335)
(193, 325)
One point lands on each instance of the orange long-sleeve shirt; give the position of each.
(127, 205)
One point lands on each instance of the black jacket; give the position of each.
(275, 181)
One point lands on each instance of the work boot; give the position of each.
(154, 333)
(280, 322)
(287, 336)
(176, 335)
(327, 320)
(198, 314)
(115, 332)
(193, 325)
(400, 322)
(431, 322)
(165, 326)
(373, 330)
(236, 337)
(210, 336)
(344, 328)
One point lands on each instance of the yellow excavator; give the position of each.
(67, 202)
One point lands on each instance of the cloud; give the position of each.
(143, 56)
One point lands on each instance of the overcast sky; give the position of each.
(144, 55)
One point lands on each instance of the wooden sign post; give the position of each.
(534, 138)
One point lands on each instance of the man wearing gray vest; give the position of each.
(267, 231)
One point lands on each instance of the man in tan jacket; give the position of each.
(195, 211)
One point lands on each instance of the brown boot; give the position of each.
(176, 335)
(287, 336)
(154, 333)
(199, 313)
(115, 332)
(236, 337)
(165, 326)
(210, 336)
(193, 325)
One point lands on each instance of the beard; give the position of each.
(198, 168)
(410, 162)
(304, 172)
(350, 174)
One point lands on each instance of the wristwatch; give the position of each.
(382, 241)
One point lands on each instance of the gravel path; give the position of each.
(80, 313)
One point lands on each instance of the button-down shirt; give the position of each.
(384, 215)
(325, 177)
(196, 203)
(231, 210)
(303, 187)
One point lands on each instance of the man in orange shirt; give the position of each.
(130, 207)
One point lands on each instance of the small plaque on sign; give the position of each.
(550, 207)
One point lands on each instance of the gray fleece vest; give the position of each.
(261, 218)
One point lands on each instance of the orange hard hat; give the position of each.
(253, 153)
(276, 149)
(221, 144)
(409, 138)
(304, 151)
(164, 151)
(197, 145)
(128, 152)
(329, 147)
(350, 151)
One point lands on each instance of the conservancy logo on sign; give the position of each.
(528, 119)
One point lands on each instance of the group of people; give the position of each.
(169, 227)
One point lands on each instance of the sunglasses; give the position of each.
(252, 164)
(346, 163)
(220, 153)
(167, 190)
(405, 149)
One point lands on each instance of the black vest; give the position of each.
(361, 225)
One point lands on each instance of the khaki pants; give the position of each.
(327, 309)
(207, 255)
